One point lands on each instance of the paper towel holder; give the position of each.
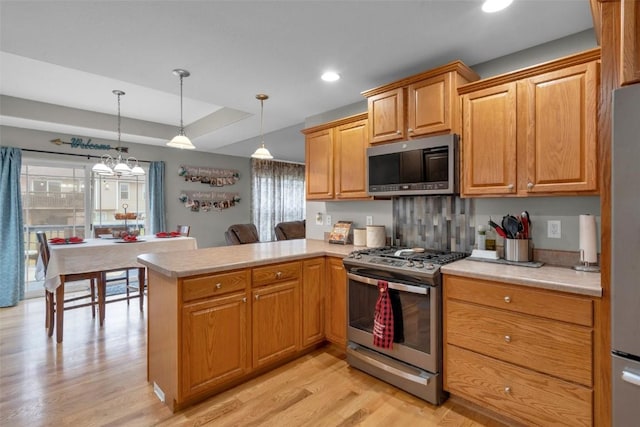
(589, 267)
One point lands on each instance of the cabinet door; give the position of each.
(336, 307)
(558, 128)
(213, 355)
(630, 42)
(319, 164)
(350, 161)
(386, 115)
(313, 284)
(489, 141)
(276, 322)
(430, 106)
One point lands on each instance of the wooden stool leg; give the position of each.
(59, 309)
(102, 290)
(93, 297)
(50, 312)
(141, 280)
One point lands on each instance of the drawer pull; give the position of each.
(257, 297)
(507, 338)
(244, 299)
(278, 274)
(507, 299)
(218, 285)
(507, 390)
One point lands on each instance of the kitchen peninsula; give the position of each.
(218, 316)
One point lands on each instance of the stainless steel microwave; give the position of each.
(427, 166)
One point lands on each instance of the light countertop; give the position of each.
(546, 277)
(224, 258)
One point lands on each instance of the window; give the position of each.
(124, 191)
(277, 195)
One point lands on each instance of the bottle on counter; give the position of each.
(482, 230)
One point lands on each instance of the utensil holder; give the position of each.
(517, 250)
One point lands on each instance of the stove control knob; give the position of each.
(419, 265)
(351, 255)
(430, 266)
(358, 256)
(410, 264)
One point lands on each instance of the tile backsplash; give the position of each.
(434, 222)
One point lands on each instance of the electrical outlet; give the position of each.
(554, 230)
(369, 220)
(328, 220)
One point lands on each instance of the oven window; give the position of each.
(411, 314)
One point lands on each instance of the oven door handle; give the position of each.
(391, 285)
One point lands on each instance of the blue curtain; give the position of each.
(156, 197)
(12, 254)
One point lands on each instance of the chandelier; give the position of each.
(109, 166)
(262, 152)
(181, 140)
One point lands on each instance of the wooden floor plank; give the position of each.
(97, 377)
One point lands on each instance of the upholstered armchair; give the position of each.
(291, 230)
(239, 234)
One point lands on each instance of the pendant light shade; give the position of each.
(109, 166)
(181, 141)
(262, 152)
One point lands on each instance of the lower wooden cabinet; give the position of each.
(203, 367)
(336, 302)
(313, 285)
(524, 353)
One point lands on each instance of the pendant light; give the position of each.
(262, 152)
(109, 166)
(180, 140)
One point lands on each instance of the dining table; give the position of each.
(101, 255)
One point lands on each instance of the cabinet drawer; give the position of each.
(521, 394)
(217, 284)
(276, 273)
(556, 348)
(548, 304)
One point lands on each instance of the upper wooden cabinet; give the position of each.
(336, 161)
(419, 105)
(630, 42)
(532, 131)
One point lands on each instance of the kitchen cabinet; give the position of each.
(336, 302)
(419, 105)
(335, 159)
(532, 131)
(218, 300)
(313, 284)
(524, 353)
(275, 312)
(630, 42)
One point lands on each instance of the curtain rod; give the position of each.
(88, 156)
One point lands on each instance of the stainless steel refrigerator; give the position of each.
(625, 257)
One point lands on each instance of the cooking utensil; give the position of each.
(498, 229)
(511, 225)
(526, 224)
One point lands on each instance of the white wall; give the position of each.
(207, 227)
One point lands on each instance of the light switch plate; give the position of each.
(369, 220)
(554, 230)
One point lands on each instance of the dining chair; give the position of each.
(50, 305)
(115, 277)
(289, 230)
(239, 234)
(184, 230)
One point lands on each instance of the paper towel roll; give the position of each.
(359, 236)
(376, 236)
(588, 247)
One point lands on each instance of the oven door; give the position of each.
(417, 324)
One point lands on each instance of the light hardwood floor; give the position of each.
(97, 377)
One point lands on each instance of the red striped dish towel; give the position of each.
(383, 318)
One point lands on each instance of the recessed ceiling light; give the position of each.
(490, 6)
(330, 76)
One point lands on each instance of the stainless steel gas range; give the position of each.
(413, 281)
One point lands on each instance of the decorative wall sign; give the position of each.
(79, 143)
(208, 200)
(215, 177)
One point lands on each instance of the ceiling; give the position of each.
(68, 56)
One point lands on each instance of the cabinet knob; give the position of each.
(410, 130)
(530, 185)
(218, 285)
(507, 338)
(398, 132)
(257, 296)
(278, 274)
(507, 299)
(244, 299)
(507, 390)
(510, 187)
